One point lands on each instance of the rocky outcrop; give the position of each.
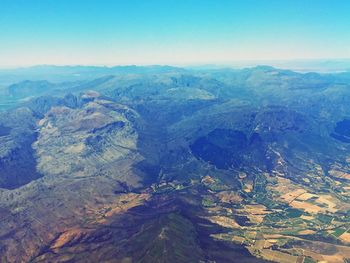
(87, 141)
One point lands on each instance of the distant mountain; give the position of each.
(76, 73)
(325, 66)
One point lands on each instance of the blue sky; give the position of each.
(179, 32)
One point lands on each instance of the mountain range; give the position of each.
(169, 164)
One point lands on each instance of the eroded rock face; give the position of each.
(88, 141)
(84, 157)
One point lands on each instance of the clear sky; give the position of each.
(110, 32)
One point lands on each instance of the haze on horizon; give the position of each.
(176, 32)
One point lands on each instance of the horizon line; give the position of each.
(233, 63)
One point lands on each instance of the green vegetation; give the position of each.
(208, 202)
(293, 213)
(339, 231)
(325, 219)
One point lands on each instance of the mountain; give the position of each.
(173, 165)
(21, 84)
(57, 74)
